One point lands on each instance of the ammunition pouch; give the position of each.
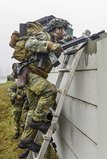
(54, 60)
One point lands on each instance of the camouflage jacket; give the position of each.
(38, 45)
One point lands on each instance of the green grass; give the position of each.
(8, 145)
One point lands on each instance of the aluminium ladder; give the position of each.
(71, 70)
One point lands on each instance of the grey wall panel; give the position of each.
(53, 77)
(84, 109)
(91, 59)
(63, 149)
(80, 144)
(91, 62)
(82, 115)
(83, 86)
(102, 98)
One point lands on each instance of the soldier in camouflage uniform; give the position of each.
(19, 101)
(41, 93)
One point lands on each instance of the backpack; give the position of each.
(20, 53)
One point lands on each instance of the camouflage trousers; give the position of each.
(19, 115)
(17, 112)
(41, 95)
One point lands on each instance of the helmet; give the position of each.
(57, 23)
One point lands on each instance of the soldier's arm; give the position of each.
(42, 43)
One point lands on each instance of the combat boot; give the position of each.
(24, 155)
(29, 144)
(16, 135)
(39, 125)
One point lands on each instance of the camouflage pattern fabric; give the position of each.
(33, 28)
(46, 94)
(34, 43)
(57, 22)
(41, 96)
(20, 53)
(14, 39)
(41, 44)
(17, 97)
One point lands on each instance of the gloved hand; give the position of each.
(68, 38)
(54, 47)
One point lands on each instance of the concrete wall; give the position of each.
(82, 123)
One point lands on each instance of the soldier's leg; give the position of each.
(16, 117)
(46, 100)
(28, 135)
(24, 114)
(46, 94)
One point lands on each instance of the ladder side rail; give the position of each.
(33, 155)
(64, 64)
(69, 80)
(60, 76)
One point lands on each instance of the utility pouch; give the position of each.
(54, 59)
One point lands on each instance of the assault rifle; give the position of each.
(52, 56)
(80, 40)
(38, 57)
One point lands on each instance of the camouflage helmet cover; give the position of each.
(57, 23)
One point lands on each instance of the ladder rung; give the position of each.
(64, 70)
